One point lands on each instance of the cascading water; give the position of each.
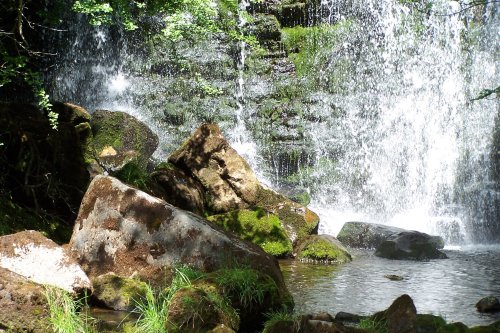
(408, 123)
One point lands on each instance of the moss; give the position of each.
(257, 226)
(117, 292)
(427, 323)
(322, 249)
(135, 175)
(16, 218)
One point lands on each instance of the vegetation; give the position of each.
(283, 315)
(257, 226)
(378, 326)
(65, 315)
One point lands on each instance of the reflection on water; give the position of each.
(449, 288)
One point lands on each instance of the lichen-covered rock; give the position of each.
(258, 227)
(194, 310)
(230, 184)
(412, 245)
(488, 304)
(123, 230)
(23, 306)
(37, 258)
(324, 248)
(120, 138)
(118, 293)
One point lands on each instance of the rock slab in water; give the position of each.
(23, 307)
(371, 235)
(126, 231)
(230, 184)
(410, 245)
(488, 304)
(39, 259)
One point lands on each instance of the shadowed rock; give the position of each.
(412, 245)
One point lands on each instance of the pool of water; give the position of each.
(449, 288)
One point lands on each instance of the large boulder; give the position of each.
(488, 304)
(120, 138)
(324, 248)
(230, 184)
(371, 235)
(23, 307)
(126, 231)
(412, 245)
(37, 258)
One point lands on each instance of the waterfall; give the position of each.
(382, 122)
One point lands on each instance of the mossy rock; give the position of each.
(266, 28)
(120, 138)
(323, 248)
(453, 328)
(257, 226)
(193, 309)
(118, 293)
(427, 323)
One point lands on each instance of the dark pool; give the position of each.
(449, 288)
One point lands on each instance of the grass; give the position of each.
(64, 312)
(378, 326)
(280, 316)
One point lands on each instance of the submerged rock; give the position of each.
(23, 306)
(126, 231)
(230, 184)
(37, 258)
(488, 304)
(412, 245)
(323, 248)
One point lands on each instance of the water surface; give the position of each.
(449, 288)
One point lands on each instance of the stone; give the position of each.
(258, 227)
(70, 113)
(348, 317)
(176, 188)
(322, 316)
(319, 326)
(39, 259)
(401, 316)
(394, 277)
(409, 245)
(23, 306)
(371, 235)
(230, 184)
(323, 248)
(120, 138)
(123, 230)
(266, 28)
(488, 304)
(118, 293)
(428, 323)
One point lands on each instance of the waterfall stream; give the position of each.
(393, 138)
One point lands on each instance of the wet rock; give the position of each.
(126, 231)
(258, 227)
(427, 323)
(371, 235)
(410, 245)
(38, 259)
(176, 188)
(318, 326)
(322, 316)
(348, 317)
(394, 277)
(118, 293)
(23, 307)
(488, 304)
(323, 248)
(120, 138)
(230, 184)
(401, 316)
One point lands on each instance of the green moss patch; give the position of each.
(257, 226)
(322, 248)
